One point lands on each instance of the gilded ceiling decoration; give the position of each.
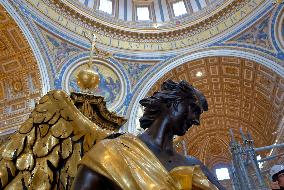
(126, 35)
(197, 9)
(20, 84)
(240, 94)
(129, 29)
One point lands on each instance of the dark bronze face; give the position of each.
(184, 116)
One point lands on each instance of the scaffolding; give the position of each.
(244, 156)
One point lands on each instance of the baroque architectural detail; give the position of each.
(20, 83)
(240, 94)
(119, 31)
(257, 35)
(94, 108)
(59, 50)
(136, 69)
(279, 30)
(113, 85)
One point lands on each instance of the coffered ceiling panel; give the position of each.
(20, 84)
(241, 94)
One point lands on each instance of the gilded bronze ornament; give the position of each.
(45, 151)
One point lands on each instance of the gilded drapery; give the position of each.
(128, 162)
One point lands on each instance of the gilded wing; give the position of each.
(45, 151)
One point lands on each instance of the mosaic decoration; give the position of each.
(257, 35)
(110, 85)
(136, 70)
(59, 50)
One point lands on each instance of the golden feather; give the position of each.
(44, 153)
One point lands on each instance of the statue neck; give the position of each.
(159, 135)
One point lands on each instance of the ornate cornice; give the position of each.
(237, 14)
(94, 108)
(131, 32)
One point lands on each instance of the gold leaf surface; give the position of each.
(20, 182)
(14, 147)
(27, 126)
(61, 129)
(44, 145)
(43, 129)
(25, 162)
(66, 148)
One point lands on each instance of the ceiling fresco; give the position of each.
(20, 85)
(241, 94)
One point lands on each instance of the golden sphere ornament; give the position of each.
(88, 80)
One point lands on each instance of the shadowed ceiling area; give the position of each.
(241, 94)
(20, 84)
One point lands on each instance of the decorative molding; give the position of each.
(20, 84)
(257, 35)
(45, 81)
(157, 73)
(159, 40)
(64, 75)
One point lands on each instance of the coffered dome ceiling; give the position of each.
(20, 84)
(241, 94)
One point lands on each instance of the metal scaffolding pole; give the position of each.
(249, 149)
(244, 156)
(269, 147)
(238, 163)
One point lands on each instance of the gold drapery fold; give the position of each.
(128, 162)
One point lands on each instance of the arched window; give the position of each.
(177, 8)
(144, 11)
(106, 6)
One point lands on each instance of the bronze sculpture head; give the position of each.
(179, 102)
(171, 111)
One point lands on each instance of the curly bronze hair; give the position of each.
(171, 94)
